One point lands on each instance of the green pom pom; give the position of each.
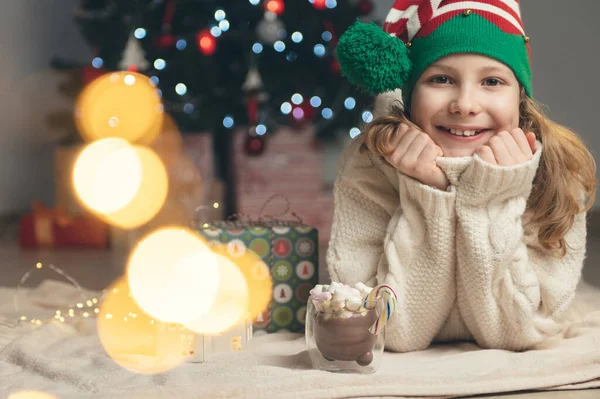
(373, 59)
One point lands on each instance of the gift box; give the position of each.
(52, 227)
(291, 166)
(290, 250)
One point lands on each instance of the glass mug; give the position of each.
(344, 344)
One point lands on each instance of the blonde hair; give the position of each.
(567, 169)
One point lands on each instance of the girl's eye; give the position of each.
(492, 82)
(439, 79)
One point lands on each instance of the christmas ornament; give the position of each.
(365, 7)
(133, 56)
(269, 28)
(90, 73)
(254, 145)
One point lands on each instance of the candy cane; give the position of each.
(390, 298)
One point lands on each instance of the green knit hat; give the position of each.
(417, 33)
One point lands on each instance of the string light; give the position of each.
(58, 314)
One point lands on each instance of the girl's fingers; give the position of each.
(523, 144)
(500, 151)
(486, 153)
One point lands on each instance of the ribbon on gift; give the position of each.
(44, 219)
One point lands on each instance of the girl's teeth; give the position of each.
(463, 132)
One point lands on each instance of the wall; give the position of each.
(31, 33)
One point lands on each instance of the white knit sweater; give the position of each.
(465, 263)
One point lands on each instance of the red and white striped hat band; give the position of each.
(410, 19)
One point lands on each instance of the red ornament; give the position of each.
(275, 6)
(320, 4)
(335, 67)
(254, 145)
(207, 44)
(90, 73)
(365, 7)
(132, 68)
(165, 41)
(302, 113)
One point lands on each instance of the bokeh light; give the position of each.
(27, 394)
(119, 104)
(129, 335)
(174, 275)
(230, 304)
(255, 271)
(123, 184)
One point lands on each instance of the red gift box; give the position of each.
(49, 227)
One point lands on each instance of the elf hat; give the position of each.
(417, 33)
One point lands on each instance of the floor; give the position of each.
(96, 269)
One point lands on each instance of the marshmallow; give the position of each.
(353, 305)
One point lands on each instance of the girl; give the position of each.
(467, 200)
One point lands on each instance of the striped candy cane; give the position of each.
(389, 296)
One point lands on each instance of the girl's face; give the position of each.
(462, 100)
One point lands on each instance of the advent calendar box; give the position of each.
(290, 250)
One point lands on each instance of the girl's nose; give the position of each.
(464, 102)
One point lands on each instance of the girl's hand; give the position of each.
(506, 149)
(414, 155)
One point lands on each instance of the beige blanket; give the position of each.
(69, 362)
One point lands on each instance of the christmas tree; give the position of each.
(228, 64)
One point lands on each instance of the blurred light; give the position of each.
(297, 37)
(149, 351)
(281, 34)
(367, 116)
(275, 6)
(123, 184)
(261, 129)
(319, 50)
(159, 92)
(257, 48)
(121, 104)
(181, 44)
(327, 36)
(297, 99)
(327, 113)
(154, 81)
(224, 25)
(180, 89)
(279, 46)
(165, 279)
(188, 108)
(160, 64)
(129, 80)
(228, 122)
(220, 15)
(315, 101)
(298, 113)
(254, 2)
(97, 62)
(350, 103)
(286, 108)
(354, 132)
(140, 33)
(215, 31)
(331, 3)
(29, 394)
(291, 56)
